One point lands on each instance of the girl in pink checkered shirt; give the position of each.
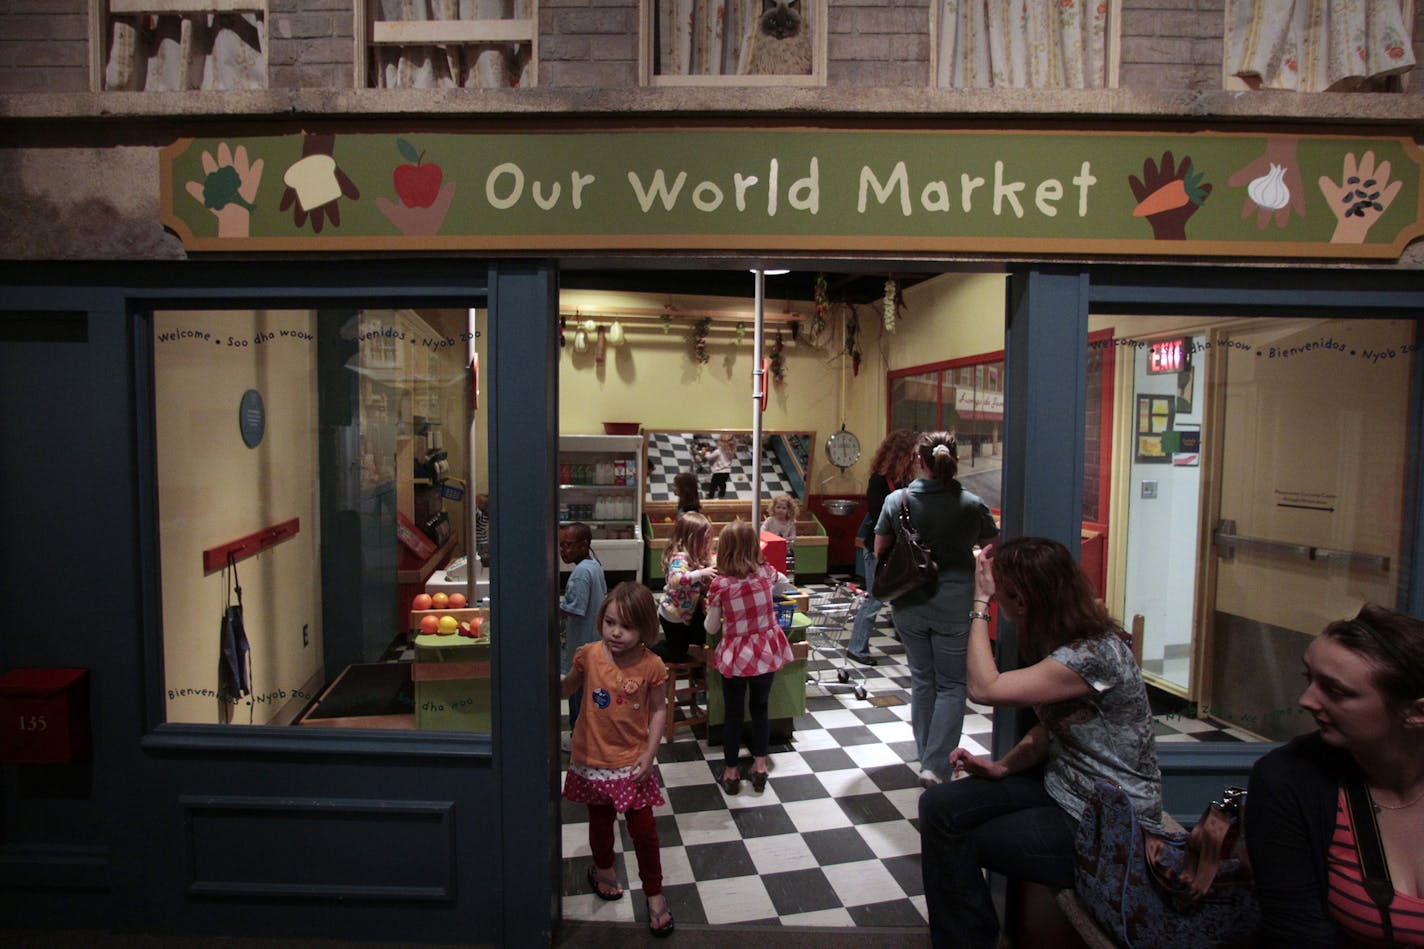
(740, 604)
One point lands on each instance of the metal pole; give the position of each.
(758, 387)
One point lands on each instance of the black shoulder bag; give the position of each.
(908, 565)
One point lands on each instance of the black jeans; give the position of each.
(718, 487)
(678, 636)
(1010, 826)
(734, 691)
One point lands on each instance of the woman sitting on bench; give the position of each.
(1018, 815)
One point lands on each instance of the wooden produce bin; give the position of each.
(451, 675)
(811, 539)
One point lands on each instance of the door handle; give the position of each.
(1227, 542)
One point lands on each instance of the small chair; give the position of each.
(691, 697)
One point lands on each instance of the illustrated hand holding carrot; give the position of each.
(1168, 194)
(1272, 183)
(1361, 197)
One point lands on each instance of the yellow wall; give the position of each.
(214, 489)
(653, 379)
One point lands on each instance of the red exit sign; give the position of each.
(1168, 355)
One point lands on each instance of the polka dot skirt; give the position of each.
(616, 786)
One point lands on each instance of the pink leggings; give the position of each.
(644, 831)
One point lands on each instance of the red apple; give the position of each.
(417, 183)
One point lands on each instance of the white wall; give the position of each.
(1162, 531)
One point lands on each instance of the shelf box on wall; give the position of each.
(44, 715)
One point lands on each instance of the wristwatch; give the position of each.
(979, 614)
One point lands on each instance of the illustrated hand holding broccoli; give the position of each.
(228, 188)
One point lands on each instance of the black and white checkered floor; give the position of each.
(833, 840)
(670, 453)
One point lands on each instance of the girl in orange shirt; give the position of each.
(616, 741)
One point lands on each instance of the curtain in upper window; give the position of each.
(1026, 44)
(708, 37)
(454, 65)
(1317, 45)
(176, 52)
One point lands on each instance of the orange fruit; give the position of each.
(429, 625)
(422, 601)
(457, 601)
(439, 601)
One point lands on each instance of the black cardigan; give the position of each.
(1290, 819)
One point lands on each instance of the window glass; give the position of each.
(338, 455)
(1065, 45)
(734, 42)
(489, 45)
(217, 45)
(1260, 479)
(966, 398)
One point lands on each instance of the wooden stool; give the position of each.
(690, 698)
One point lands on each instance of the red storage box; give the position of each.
(44, 715)
(773, 550)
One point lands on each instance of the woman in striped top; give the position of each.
(1365, 691)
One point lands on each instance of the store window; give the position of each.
(733, 42)
(1014, 44)
(330, 464)
(1298, 47)
(166, 46)
(1261, 467)
(965, 397)
(437, 44)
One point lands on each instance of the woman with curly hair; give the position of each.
(892, 467)
(1019, 815)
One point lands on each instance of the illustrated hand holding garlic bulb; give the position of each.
(1273, 186)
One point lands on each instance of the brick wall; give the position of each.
(1171, 44)
(878, 43)
(44, 46)
(588, 43)
(1165, 44)
(310, 44)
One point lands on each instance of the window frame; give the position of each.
(1233, 83)
(102, 12)
(370, 32)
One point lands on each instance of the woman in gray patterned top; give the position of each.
(1018, 815)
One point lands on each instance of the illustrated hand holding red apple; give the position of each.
(424, 201)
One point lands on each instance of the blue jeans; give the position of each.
(937, 652)
(869, 609)
(1010, 826)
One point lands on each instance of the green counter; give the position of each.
(788, 691)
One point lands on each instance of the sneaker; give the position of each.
(929, 779)
(566, 742)
(862, 658)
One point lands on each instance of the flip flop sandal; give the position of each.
(598, 886)
(664, 930)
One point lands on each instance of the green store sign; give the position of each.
(775, 191)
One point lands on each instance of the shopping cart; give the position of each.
(832, 614)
